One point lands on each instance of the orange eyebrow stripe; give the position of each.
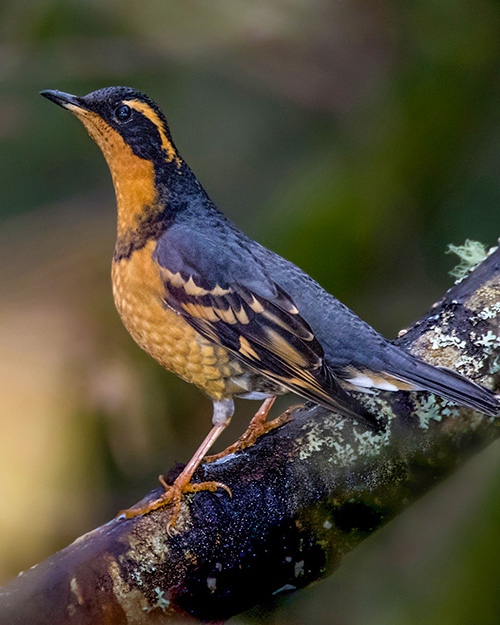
(152, 115)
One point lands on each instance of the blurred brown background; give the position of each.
(356, 138)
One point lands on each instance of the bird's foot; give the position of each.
(256, 428)
(172, 495)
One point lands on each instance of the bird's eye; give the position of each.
(123, 112)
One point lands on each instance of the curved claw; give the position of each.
(173, 494)
(210, 486)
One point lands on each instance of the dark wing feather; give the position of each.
(265, 332)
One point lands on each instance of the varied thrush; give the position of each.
(221, 310)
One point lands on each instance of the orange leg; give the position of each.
(173, 493)
(257, 427)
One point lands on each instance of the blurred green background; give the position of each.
(355, 138)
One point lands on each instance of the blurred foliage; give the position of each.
(357, 139)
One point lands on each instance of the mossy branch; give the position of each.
(303, 496)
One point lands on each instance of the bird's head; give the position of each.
(132, 132)
(121, 117)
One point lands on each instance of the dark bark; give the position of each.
(303, 496)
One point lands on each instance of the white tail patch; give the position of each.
(361, 380)
(365, 382)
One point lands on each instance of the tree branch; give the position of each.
(303, 496)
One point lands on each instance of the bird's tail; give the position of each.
(445, 383)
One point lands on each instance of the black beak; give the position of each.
(66, 100)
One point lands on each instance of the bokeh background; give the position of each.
(356, 138)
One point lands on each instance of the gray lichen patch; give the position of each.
(433, 408)
(131, 600)
(336, 445)
(331, 446)
(314, 440)
(465, 350)
(487, 313)
(486, 297)
(379, 405)
(439, 346)
(161, 602)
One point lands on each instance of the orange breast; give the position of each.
(138, 289)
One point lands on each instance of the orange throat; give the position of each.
(133, 177)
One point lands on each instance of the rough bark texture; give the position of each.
(303, 496)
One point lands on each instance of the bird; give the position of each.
(222, 311)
